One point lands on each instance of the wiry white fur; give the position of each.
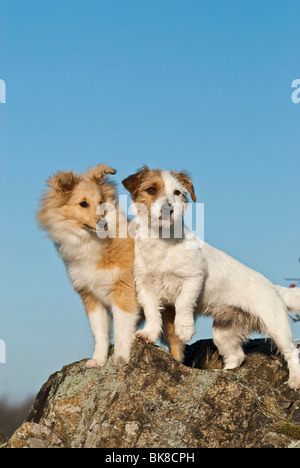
(291, 297)
(205, 281)
(125, 324)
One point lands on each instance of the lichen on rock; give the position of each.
(156, 402)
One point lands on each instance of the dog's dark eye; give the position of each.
(151, 190)
(177, 192)
(84, 204)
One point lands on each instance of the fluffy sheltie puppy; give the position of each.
(100, 269)
(193, 277)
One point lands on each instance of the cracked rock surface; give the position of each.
(156, 402)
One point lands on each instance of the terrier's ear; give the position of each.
(64, 182)
(133, 182)
(186, 181)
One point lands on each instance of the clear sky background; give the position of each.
(203, 85)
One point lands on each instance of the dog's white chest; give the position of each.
(163, 268)
(84, 272)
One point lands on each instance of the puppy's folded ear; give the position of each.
(186, 181)
(99, 172)
(63, 182)
(133, 182)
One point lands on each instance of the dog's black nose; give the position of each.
(167, 208)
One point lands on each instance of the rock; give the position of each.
(3, 440)
(156, 402)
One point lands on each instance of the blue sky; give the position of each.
(203, 85)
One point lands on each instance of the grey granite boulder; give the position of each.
(156, 402)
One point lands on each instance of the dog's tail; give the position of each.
(291, 297)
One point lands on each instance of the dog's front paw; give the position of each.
(184, 332)
(148, 335)
(94, 363)
(120, 361)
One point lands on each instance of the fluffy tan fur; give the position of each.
(101, 270)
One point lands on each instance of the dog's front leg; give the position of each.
(99, 320)
(184, 308)
(153, 326)
(125, 324)
(98, 316)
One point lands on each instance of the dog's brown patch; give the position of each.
(90, 301)
(133, 182)
(186, 181)
(176, 346)
(145, 179)
(152, 187)
(117, 253)
(124, 295)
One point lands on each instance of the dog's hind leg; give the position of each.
(176, 346)
(229, 345)
(277, 326)
(231, 327)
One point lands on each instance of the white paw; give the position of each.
(94, 363)
(148, 335)
(184, 332)
(234, 361)
(120, 361)
(233, 364)
(294, 382)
